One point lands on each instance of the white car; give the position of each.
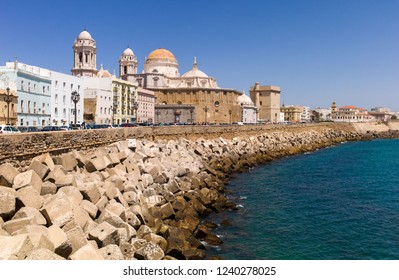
(6, 129)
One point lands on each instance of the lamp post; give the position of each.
(135, 107)
(206, 109)
(75, 98)
(8, 99)
(230, 112)
(191, 115)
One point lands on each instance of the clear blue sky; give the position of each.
(317, 51)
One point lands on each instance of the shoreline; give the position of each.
(147, 202)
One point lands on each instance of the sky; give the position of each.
(317, 51)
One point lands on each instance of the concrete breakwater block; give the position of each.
(119, 202)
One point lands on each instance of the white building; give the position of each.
(305, 115)
(63, 108)
(146, 106)
(351, 114)
(32, 86)
(248, 109)
(321, 114)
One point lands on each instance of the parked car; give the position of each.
(64, 127)
(28, 129)
(51, 128)
(7, 129)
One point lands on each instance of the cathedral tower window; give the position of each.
(80, 57)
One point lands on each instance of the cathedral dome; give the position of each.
(84, 35)
(244, 100)
(128, 51)
(161, 54)
(195, 72)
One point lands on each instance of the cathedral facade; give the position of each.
(193, 97)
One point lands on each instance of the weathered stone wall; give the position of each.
(27, 145)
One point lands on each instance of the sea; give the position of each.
(337, 203)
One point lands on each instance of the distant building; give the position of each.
(292, 113)
(267, 100)
(305, 115)
(321, 114)
(351, 114)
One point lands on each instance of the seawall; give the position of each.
(27, 145)
(112, 201)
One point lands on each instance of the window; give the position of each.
(22, 106)
(28, 106)
(63, 86)
(63, 99)
(56, 98)
(56, 112)
(80, 57)
(22, 85)
(44, 89)
(56, 85)
(216, 104)
(34, 108)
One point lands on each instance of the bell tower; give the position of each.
(84, 54)
(127, 65)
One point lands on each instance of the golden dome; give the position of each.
(161, 54)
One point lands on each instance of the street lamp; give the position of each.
(206, 109)
(135, 107)
(75, 98)
(8, 99)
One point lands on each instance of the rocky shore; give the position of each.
(144, 200)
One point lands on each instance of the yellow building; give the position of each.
(8, 114)
(292, 113)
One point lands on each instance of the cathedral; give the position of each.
(193, 97)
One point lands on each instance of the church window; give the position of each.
(86, 58)
(260, 103)
(80, 57)
(216, 103)
(125, 70)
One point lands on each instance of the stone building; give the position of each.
(267, 100)
(193, 89)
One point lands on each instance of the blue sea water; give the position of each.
(332, 204)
